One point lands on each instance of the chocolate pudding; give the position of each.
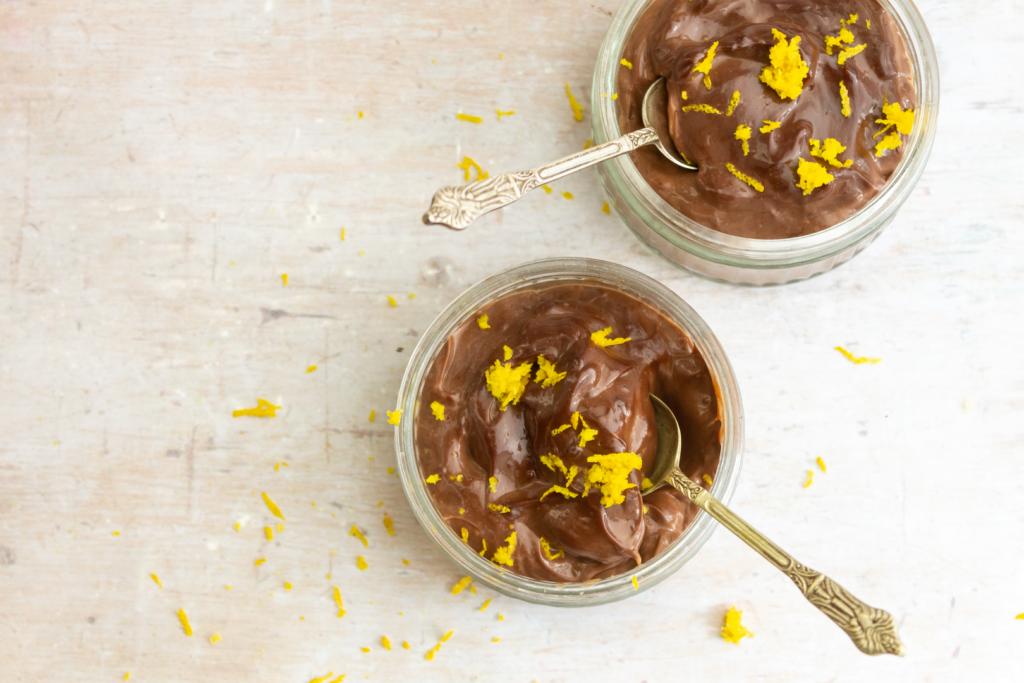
(796, 112)
(535, 432)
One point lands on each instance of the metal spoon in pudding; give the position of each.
(458, 206)
(872, 630)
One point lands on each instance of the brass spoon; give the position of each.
(458, 206)
(872, 630)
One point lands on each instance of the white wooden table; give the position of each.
(162, 164)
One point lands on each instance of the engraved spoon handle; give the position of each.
(872, 630)
(458, 206)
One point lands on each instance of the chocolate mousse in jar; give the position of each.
(810, 123)
(527, 431)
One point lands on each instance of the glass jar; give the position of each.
(742, 260)
(538, 274)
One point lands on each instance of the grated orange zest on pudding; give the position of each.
(626, 63)
(745, 178)
(389, 524)
(467, 164)
(890, 141)
(183, 618)
(482, 322)
(858, 360)
(461, 585)
(465, 535)
(276, 511)
(601, 339)
(610, 473)
(646, 484)
(501, 509)
(586, 434)
(743, 135)
(787, 70)
(769, 126)
(492, 483)
(438, 410)
(851, 52)
(704, 65)
(337, 599)
(264, 408)
(574, 419)
(394, 417)
(558, 489)
(547, 375)
(546, 547)
(554, 463)
(733, 103)
(483, 550)
(844, 95)
(503, 555)
(577, 108)
(733, 631)
(359, 534)
(829, 151)
(507, 352)
(708, 480)
(821, 464)
(812, 175)
(468, 118)
(506, 383)
(706, 108)
(559, 430)
(832, 42)
(852, 20)
(433, 479)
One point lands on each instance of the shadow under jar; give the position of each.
(551, 308)
(715, 222)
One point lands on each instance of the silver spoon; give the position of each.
(872, 630)
(458, 206)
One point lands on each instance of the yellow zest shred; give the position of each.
(373, 415)
(851, 52)
(433, 479)
(832, 42)
(389, 524)
(685, 96)
(337, 599)
(577, 108)
(465, 535)
(501, 617)
(487, 603)
(482, 322)
(590, 143)
(787, 70)
(636, 584)
(704, 65)
(183, 618)
(733, 631)
(498, 508)
(361, 563)
(394, 417)
(601, 339)
(559, 430)
(810, 478)
(438, 410)
(156, 579)
(626, 63)
(707, 478)
(610, 473)
(558, 489)
(492, 483)
(553, 462)
(391, 301)
(405, 644)
(733, 103)
(385, 642)
(365, 649)
(615, 96)
(503, 555)
(568, 195)
(359, 534)
(1020, 616)
(868, 24)
(745, 178)
(852, 20)
(547, 375)
(276, 511)
(466, 117)
(893, 115)
(547, 189)
(844, 95)
(546, 547)
(127, 675)
(287, 586)
(507, 351)
(322, 679)
(605, 208)
(506, 383)
(260, 561)
(483, 542)
(575, 420)
(829, 151)
(269, 533)
(461, 585)
(311, 368)
(504, 113)
(586, 434)
(263, 409)
(812, 175)
(467, 164)
(570, 475)
(280, 527)
(890, 141)
(743, 135)
(769, 126)
(284, 279)
(706, 108)
(278, 466)
(821, 464)
(343, 234)
(857, 359)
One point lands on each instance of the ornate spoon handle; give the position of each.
(872, 630)
(458, 206)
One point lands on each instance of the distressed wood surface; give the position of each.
(162, 164)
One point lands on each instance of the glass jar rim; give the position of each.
(538, 273)
(712, 245)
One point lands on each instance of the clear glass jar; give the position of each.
(537, 274)
(743, 260)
